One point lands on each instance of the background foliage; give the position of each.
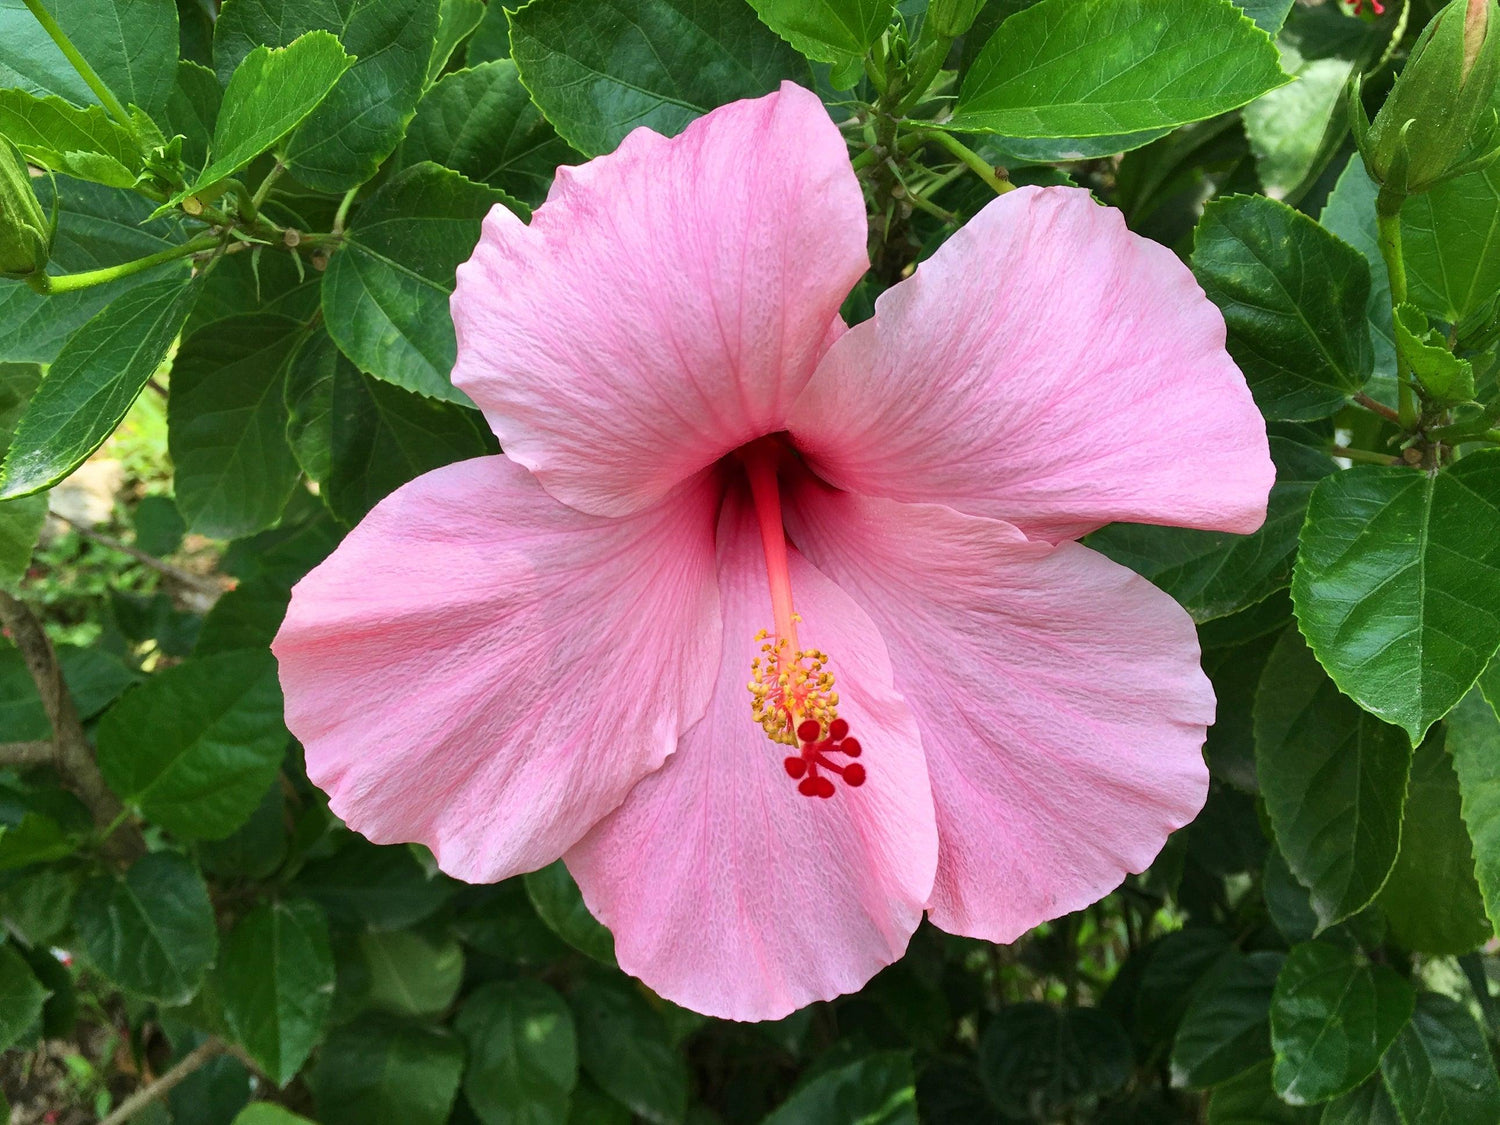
(240, 343)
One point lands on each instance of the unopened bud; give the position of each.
(951, 18)
(1438, 113)
(25, 234)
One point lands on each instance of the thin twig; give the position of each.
(1363, 456)
(1378, 407)
(25, 753)
(189, 1062)
(177, 574)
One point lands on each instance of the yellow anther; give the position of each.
(789, 686)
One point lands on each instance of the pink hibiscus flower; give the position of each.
(775, 631)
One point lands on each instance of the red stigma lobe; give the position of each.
(811, 768)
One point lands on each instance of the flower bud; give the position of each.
(1439, 106)
(951, 18)
(24, 230)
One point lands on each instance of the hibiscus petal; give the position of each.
(1058, 694)
(667, 303)
(485, 671)
(1049, 368)
(727, 890)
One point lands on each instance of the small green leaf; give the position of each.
(410, 974)
(1397, 585)
(482, 123)
(1439, 1071)
(92, 383)
(1040, 1060)
(275, 980)
(1155, 64)
(52, 132)
(384, 1071)
(21, 997)
(1350, 214)
(1447, 379)
(193, 111)
(623, 1046)
(456, 20)
(1451, 247)
(875, 1090)
(385, 295)
(195, 746)
(831, 31)
(1334, 782)
(227, 425)
(383, 888)
(1332, 1017)
(1474, 743)
(268, 95)
(268, 1113)
(560, 904)
(1225, 1030)
(1431, 899)
(1293, 297)
(150, 931)
(658, 63)
(523, 1053)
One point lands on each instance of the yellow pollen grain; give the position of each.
(788, 686)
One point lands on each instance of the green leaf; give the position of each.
(247, 617)
(559, 903)
(411, 975)
(227, 425)
(658, 63)
(491, 39)
(1397, 586)
(831, 31)
(387, 1072)
(271, 91)
(1214, 574)
(92, 383)
(385, 295)
(1431, 899)
(268, 1113)
(195, 746)
(96, 226)
(256, 848)
(1334, 782)
(623, 1046)
(150, 931)
(1332, 1017)
(52, 132)
(523, 1053)
(482, 123)
(456, 21)
(1153, 64)
(1293, 297)
(193, 110)
(1438, 1071)
(1368, 1104)
(383, 888)
(21, 997)
(1040, 1060)
(309, 404)
(158, 526)
(1249, 1100)
(1446, 379)
(131, 45)
(1225, 1030)
(1474, 743)
(37, 905)
(1268, 15)
(20, 520)
(275, 980)
(875, 1090)
(1451, 246)
(1350, 214)
(263, 281)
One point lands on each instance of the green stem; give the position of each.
(1363, 456)
(67, 282)
(1388, 220)
(265, 187)
(343, 211)
(928, 63)
(80, 64)
(866, 158)
(976, 163)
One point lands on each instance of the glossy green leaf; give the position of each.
(875, 1090)
(343, 141)
(21, 997)
(37, 905)
(1439, 1071)
(559, 903)
(228, 422)
(195, 746)
(96, 226)
(1397, 586)
(831, 31)
(1446, 379)
(1234, 671)
(1334, 782)
(523, 1053)
(246, 617)
(131, 45)
(491, 39)
(1367, 1104)
(1332, 1017)
(1225, 1030)
(20, 520)
(385, 295)
(1293, 297)
(1474, 743)
(271, 91)
(193, 110)
(1043, 1060)
(1431, 899)
(151, 930)
(275, 979)
(1349, 213)
(256, 848)
(158, 525)
(411, 974)
(92, 383)
(599, 70)
(456, 20)
(1214, 574)
(623, 1046)
(1155, 64)
(383, 888)
(53, 133)
(482, 122)
(1451, 245)
(1248, 1099)
(385, 1071)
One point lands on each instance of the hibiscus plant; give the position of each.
(734, 561)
